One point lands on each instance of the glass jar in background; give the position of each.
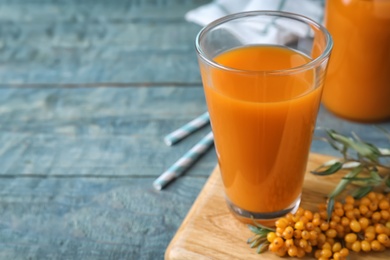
(357, 86)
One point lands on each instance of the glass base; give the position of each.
(264, 218)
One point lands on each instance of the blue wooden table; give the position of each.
(88, 89)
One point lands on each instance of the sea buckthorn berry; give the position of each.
(308, 214)
(299, 225)
(349, 214)
(289, 243)
(281, 251)
(356, 213)
(355, 226)
(338, 205)
(317, 253)
(313, 242)
(330, 240)
(350, 238)
(309, 226)
(383, 238)
(305, 234)
(373, 206)
(272, 247)
(363, 209)
(344, 221)
(300, 252)
(304, 219)
(388, 223)
(384, 204)
(366, 246)
(316, 221)
(347, 207)
(339, 212)
(281, 223)
(321, 238)
(279, 231)
(365, 201)
(364, 222)
(380, 228)
(297, 233)
(288, 232)
(375, 245)
(344, 252)
(340, 231)
(289, 216)
(332, 233)
(371, 195)
(271, 236)
(326, 245)
(385, 214)
(322, 206)
(380, 196)
(308, 249)
(303, 243)
(324, 214)
(356, 246)
(333, 224)
(376, 216)
(278, 242)
(368, 214)
(336, 247)
(370, 229)
(300, 211)
(326, 253)
(313, 234)
(337, 256)
(369, 236)
(349, 200)
(324, 226)
(292, 251)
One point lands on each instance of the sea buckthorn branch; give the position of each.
(354, 225)
(363, 159)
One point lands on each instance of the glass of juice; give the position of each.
(263, 74)
(358, 80)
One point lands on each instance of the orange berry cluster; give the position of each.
(356, 225)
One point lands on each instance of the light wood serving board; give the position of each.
(211, 232)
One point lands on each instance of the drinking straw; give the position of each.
(178, 168)
(187, 129)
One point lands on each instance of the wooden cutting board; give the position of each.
(211, 232)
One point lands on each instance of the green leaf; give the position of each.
(388, 182)
(361, 192)
(254, 229)
(262, 248)
(344, 182)
(330, 207)
(328, 169)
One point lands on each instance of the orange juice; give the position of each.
(358, 80)
(263, 123)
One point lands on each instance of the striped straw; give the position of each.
(187, 129)
(178, 168)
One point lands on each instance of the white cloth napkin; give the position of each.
(205, 14)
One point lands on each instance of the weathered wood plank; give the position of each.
(90, 218)
(96, 131)
(97, 41)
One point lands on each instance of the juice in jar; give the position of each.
(358, 80)
(262, 123)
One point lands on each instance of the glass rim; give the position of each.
(301, 18)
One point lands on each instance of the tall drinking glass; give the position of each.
(263, 74)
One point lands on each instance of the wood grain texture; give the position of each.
(55, 42)
(211, 232)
